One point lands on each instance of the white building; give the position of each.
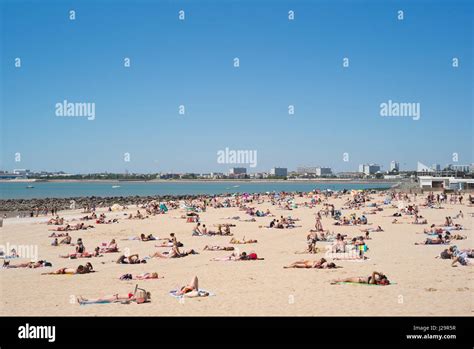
(369, 169)
(21, 172)
(423, 168)
(440, 183)
(394, 166)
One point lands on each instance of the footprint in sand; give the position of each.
(431, 289)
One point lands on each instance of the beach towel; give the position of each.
(174, 293)
(83, 302)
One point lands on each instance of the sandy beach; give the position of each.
(421, 283)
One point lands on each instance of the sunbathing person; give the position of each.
(375, 279)
(66, 228)
(306, 264)
(173, 253)
(32, 265)
(60, 235)
(218, 248)
(84, 254)
(66, 241)
(434, 241)
(241, 257)
(142, 276)
(192, 289)
(461, 256)
(132, 259)
(169, 244)
(243, 241)
(369, 230)
(112, 247)
(81, 269)
(139, 297)
(448, 236)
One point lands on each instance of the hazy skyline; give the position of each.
(191, 63)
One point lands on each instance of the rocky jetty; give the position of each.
(27, 205)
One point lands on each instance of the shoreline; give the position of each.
(311, 180)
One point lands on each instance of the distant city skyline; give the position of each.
(417, 168)
(165, 95)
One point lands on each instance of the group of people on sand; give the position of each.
(222, 230)
(339, 243)
(174, 252)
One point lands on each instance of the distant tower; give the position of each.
(394, 166)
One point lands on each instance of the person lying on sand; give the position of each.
(81, 269)
(243, 241)
(142, 276)
(376, 278)
(173, 253)
(458, 256)
(60, 235)
(148, 237)
(450, 237)
(139, 297)
(318, 264)
(32, 265)
(241, 257)
(65, 228)
(434, 241)
(218, 248)
(85, 254)
(370, 230)
(132, 259)
(192, 289)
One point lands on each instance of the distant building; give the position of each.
(21, 172)
(323, 171)
(436, 167)
(306, 170)
(317, 171)
(394, 166)
(238, 171)
(441, 183)
(369, 169)
(279, 172)
(217, 175)
(461, 168)
(350, 175)
(423, 168)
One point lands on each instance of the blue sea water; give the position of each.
(102, 189)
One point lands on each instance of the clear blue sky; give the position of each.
(190, 63)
